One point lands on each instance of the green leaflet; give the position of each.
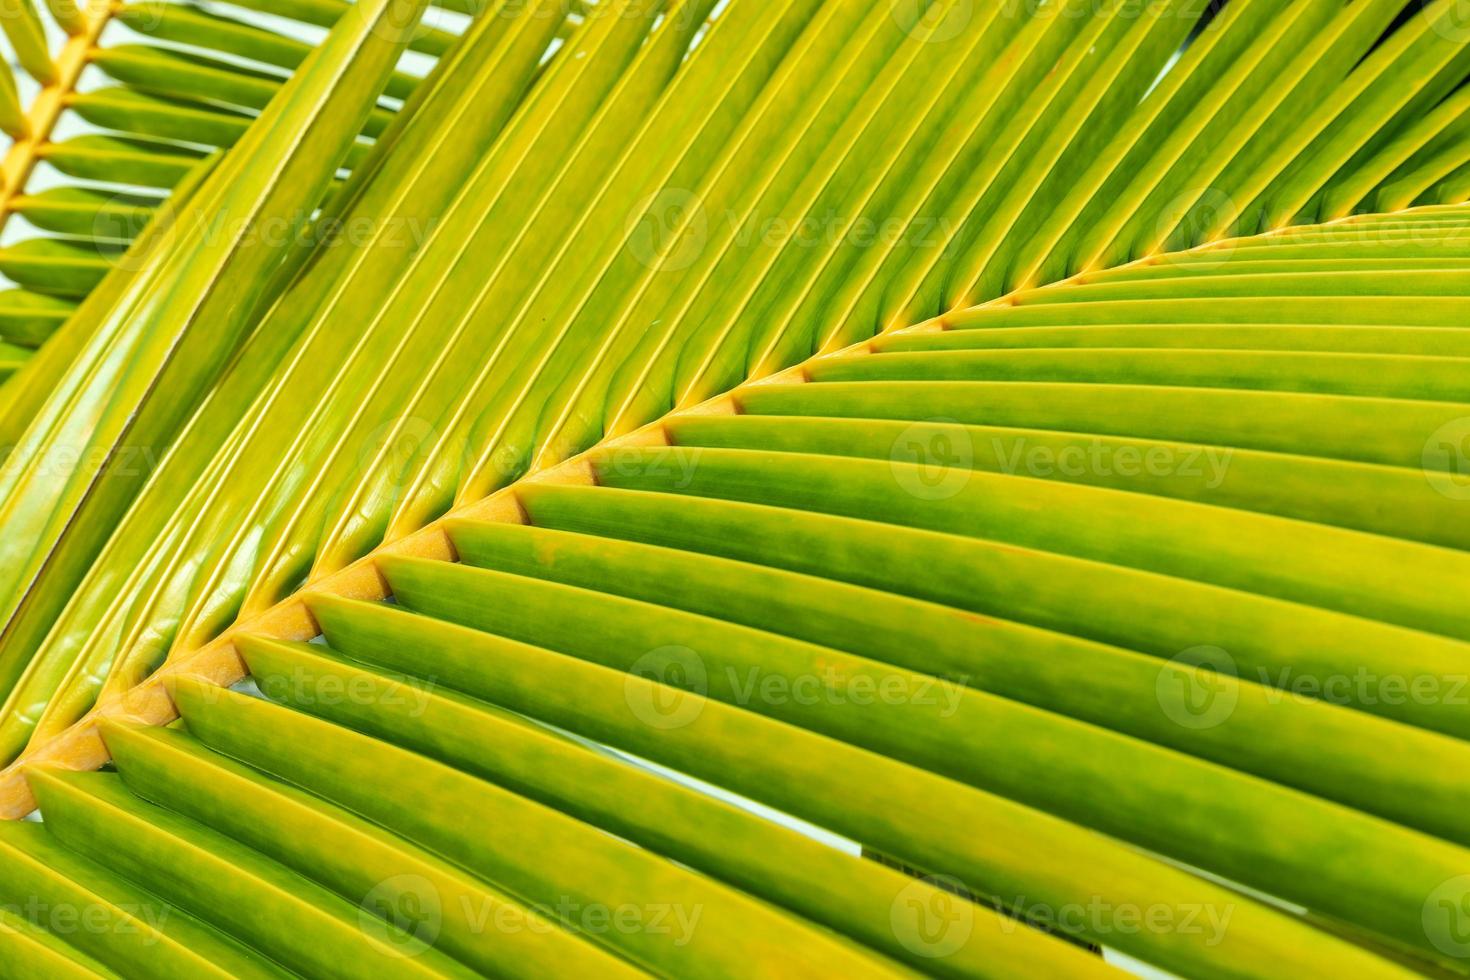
(89, 213)
(58, 267)
(1222, 547)
(134, 161)
(117, 107)
(12, 117)
(28, 318)
(1392, 500)
(22, 26)
(185, 25)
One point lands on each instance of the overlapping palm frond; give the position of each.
(131, 100)
(1025, 442)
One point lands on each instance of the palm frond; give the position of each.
(1022, 442)
(188, 80)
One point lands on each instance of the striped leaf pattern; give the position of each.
(132, 97)
(781, 487)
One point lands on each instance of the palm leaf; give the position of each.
(934, 488)
(197, 82)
